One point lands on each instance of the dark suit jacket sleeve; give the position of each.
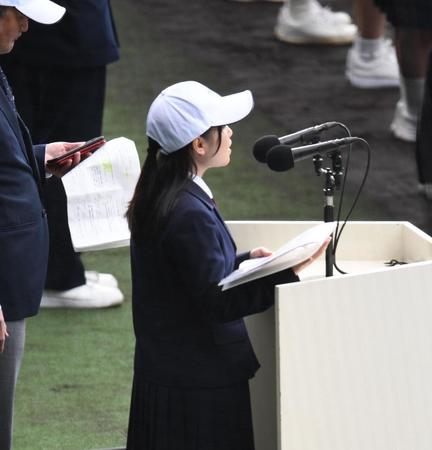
(241, 257)
(39, 151)
(201, 261)
(246, 299)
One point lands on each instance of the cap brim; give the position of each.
(42, 11)
(234, 107)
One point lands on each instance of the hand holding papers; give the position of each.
(290, 254)
(98, 191)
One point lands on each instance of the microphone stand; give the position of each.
(333, 178)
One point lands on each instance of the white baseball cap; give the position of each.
(42, 11)
(184, 111)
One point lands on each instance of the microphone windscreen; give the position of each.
(262, 147)
(280, 158)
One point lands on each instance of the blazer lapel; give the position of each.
(195, 190)
(12, 118)
(22, 134)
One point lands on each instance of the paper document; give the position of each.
(98, 191)
(293, 252)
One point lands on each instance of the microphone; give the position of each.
(281, 157)
(264, 144)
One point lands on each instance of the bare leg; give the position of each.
(413, 47)
(370, 21)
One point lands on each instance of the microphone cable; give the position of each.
(338, 232)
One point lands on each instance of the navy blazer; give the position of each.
(189, 332)
(23, 224)
(85, 37)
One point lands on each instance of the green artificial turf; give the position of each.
(75, 382)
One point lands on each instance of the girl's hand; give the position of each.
(260, 252)
(299, 267)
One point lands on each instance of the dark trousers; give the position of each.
(10, 363)
(59, 104)
(424, 136)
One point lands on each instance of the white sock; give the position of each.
(299, 8)
(368, 48)
(411, 92)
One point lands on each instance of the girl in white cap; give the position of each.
(193, 356)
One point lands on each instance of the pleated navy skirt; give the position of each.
(169, 418)
(408, 13)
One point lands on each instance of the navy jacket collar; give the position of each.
(197, 192)
(21, 133)
(10, 114)
(193, 189)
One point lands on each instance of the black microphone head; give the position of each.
(262, 147)
(280, 158)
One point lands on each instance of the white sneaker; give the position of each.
(105, 279)
(335, 17)
(379, 70)
(404, 124)
(89, 295)
(318, 25)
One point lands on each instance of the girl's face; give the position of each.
(208, 155)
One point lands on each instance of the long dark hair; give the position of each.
(162, 178)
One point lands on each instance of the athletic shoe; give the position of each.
(318, 25)
(404, 124)
(335, 17)
(105, 279)
(380, 69)
(89, 295)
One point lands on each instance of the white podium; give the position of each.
(346, 361)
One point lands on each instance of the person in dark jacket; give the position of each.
(23, 221)
(58, 75)
(193, 357)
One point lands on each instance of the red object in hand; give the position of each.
(88, 147)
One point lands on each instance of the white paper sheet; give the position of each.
(293, 252)
(98, 191)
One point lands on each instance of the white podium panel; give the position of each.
(347, 362)
(355, 362)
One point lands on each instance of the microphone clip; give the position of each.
(334, 175)
(318, 163)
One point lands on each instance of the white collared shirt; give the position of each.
(202, 184)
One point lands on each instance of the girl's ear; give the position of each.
(199, 146)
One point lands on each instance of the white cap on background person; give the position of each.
(42, 11)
